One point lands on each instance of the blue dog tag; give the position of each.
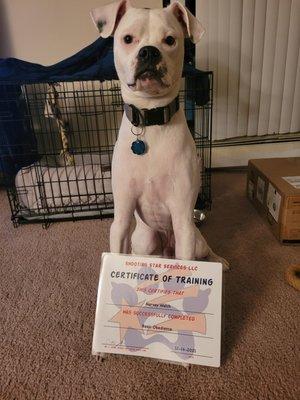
(138, 147)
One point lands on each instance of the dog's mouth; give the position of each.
(147, 77)
(148, 74)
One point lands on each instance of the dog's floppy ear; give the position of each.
(193, 28)
(107, 17)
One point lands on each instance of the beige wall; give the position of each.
(232, 156)
(47, 31)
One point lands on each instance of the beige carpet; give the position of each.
(48, 283)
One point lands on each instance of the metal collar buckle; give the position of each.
(133, 114)
(167, 114)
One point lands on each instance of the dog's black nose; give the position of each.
(149, 54)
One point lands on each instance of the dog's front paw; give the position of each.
(225, 264)
(215, 258)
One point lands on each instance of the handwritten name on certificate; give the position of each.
(159, 308)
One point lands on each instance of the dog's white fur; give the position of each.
(159, 188)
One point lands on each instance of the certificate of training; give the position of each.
(159, 308)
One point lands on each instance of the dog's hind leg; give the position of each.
(144, 240)
(204, 252)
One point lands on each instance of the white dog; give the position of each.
(155, 169)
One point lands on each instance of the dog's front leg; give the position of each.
(185, 238)
(120, 228)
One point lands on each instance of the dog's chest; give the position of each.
(152, 204)
(150, 180)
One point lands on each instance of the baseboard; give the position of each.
(258, 139)
(236, 169)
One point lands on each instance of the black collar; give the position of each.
(154, 116)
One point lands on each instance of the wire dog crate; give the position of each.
(62, 163)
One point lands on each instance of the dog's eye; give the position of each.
(128, 39)
(170, 40)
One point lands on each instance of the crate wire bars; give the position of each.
(73, 145)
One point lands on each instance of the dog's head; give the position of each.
(148, 44)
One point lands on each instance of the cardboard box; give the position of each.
(273, 187)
